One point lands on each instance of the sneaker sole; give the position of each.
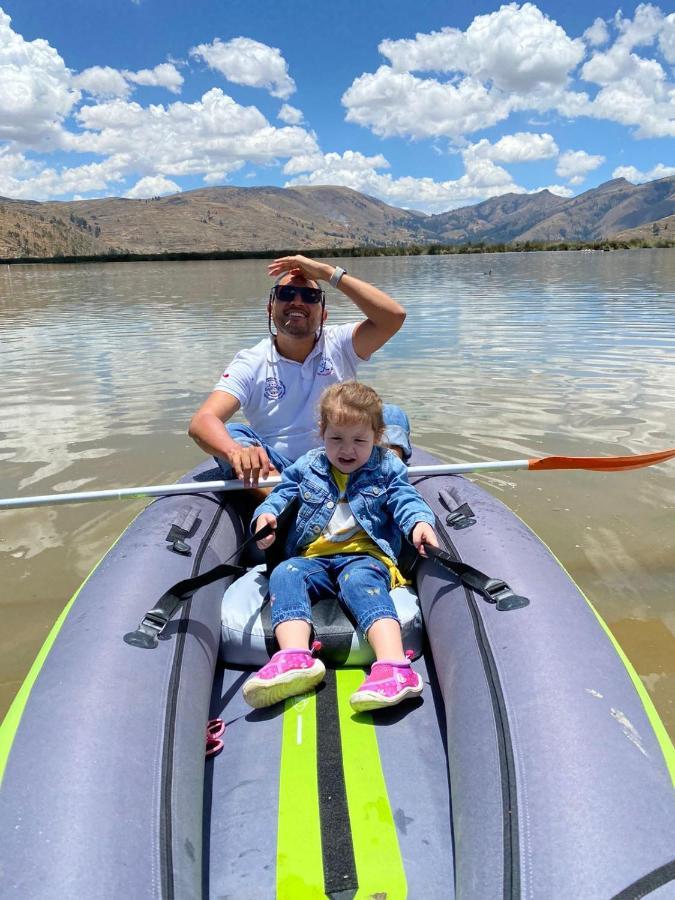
(260, 693)
(365, 701)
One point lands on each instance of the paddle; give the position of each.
(592, 463)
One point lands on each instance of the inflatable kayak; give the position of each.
(534, 765)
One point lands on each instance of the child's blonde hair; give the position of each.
(351, 403)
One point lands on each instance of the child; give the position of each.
(355, 506)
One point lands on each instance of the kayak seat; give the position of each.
(247, 638)
(246, 625)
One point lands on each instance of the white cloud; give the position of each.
(630, 173)
(635, 90)
(642, 29)
(667, 39)
(520, 147)
(245, 61)
(152, 186)
(576, 164)
(597, 34)
(102, 81)
(105, 82)
(560, 189)
(333, 165)
(652, 111)
(36, 93)
(398, 103)
(513, 59)
(516, 48)
(518, 59)
(164, 75)
(290, 115)
(212, 135)
(21, 178)
(619, 64)
(482, 179)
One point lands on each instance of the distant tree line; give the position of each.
(121, 255)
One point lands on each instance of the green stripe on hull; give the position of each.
(299, 861)
(376, 849)
(300, 873)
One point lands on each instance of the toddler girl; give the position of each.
(355, 506)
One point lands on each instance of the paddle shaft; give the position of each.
(546, 463)
(199, 487)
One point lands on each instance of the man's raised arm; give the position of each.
(384, 316)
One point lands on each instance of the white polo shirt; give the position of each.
(280, 397)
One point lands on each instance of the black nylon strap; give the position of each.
(156, 619)
(648, 883)
(493, 589)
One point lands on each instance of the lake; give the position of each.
(502, 356)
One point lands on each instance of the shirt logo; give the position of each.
(325, 366)
(274, 389)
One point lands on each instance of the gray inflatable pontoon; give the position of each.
(533, 766)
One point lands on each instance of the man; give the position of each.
(278, 382)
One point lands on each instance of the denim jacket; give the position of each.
(382, 500)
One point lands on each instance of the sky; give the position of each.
(428, 106)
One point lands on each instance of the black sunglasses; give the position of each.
(286, 293)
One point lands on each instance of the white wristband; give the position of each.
(334, 279)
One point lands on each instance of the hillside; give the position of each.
(231, 218)
(606, 210)
(30, 230)
(303, 218)
(662, 229)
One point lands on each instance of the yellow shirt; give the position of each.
(343, 534)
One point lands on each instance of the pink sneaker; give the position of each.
(288, 673)
(389, 682)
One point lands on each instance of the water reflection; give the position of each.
(102, 366)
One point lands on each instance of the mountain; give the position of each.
(501, 219)
(606, 210)
(303, 218)
(225, 218)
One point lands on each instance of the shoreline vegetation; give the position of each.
(606, 244)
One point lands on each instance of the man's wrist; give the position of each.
(335, 277)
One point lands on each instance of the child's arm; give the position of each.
(276, 501)
(261, 521)
(423, 534)
(404, 503)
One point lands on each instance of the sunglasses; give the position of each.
(286, 293)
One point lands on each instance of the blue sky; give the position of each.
(425, 105)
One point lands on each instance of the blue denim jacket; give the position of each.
(382, 500)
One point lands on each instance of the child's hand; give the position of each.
(423, 534)
(266, 519)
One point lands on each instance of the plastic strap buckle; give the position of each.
(461, 517)
(499, 593)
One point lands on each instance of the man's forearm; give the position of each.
(209, 433)
(380, 308)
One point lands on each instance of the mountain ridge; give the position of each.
(267, 218)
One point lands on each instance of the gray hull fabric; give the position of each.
(247, 634)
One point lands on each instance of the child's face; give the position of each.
(348, 447)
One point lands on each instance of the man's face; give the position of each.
(294, 317)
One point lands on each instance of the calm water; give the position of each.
(501, 357)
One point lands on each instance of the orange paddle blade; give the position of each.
(601, 463)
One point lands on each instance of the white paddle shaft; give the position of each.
(197, 487)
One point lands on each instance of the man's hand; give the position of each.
(266, 519)
(423, 534)
(309, 269)
(248, 463)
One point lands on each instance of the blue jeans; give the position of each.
(396, 434)
(360, 582)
